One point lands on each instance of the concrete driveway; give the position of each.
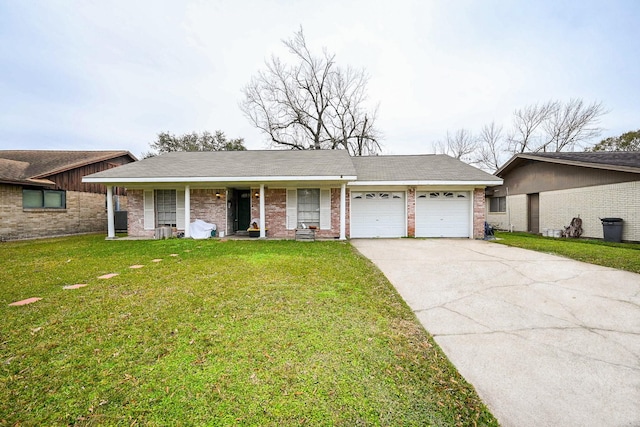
(546, 341)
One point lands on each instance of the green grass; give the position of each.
(225, 333)
(624, 256)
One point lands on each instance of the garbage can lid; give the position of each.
(611, 219)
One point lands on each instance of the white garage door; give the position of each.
(443, 214)
(378, 214)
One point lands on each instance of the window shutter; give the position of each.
(180, 209)
(325, 209)
(292, 209)
(149, 210)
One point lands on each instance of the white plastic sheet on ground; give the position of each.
(200, 229)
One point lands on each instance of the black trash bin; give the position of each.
(612, 229)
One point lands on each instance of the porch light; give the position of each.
(257, 195)
(217, 194)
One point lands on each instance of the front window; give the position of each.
(309, 206)
(165, 208)
(497, 204)
(47, 199)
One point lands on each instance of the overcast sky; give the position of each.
(109, 75)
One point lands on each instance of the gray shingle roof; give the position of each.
(237, 164)
(246, 165)
(426, 167)
(626, 161)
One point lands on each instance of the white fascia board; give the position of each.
(422, 183)
(217, 179)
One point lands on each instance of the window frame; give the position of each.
(501, 202)
(308, 216)
(43, 198)
(159, 201)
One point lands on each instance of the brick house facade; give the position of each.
(273, 182)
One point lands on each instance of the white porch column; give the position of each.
(187, 211)
(111, 223)
(263, 233)
(343, 211)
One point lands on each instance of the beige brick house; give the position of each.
(283, 191)
(42, 193)
(544, 191)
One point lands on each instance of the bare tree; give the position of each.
(460, 145)
(572, 124)
(312, 104)
(527, 121)
(490, 149)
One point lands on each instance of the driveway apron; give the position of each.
(546, 341)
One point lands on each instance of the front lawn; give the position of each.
(624, 256)
(215, 333)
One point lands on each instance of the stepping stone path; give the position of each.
(25, 301)
(82, 285)
(79, 285)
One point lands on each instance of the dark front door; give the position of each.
(534, 213)
(243, 210)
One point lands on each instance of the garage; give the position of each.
(443, 214)
(378, 214)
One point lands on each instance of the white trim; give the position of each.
(343, 208)
(263, 232)
(185, 195)
(325, 209)
(111, 227)
(214, 179)
(292, 209)
(379, 184)
(149, 209)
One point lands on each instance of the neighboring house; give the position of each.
(343, 196)
(546, 190)
(42, 194)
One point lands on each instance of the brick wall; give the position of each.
(557, 208)
(478, 213)
(207, 207)
(85, 213)
(411, 212)
(276, 213)
(204, 205)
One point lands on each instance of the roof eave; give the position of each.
(87, 162)
(513, 162)
(482, 183)
(98, 180)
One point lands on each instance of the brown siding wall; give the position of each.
(536, 177)
(85, 213)
(72, 179)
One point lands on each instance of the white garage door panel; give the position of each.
(377, 214)
(443, 214)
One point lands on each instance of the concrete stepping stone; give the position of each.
(156, 260)
(136, 266)
(173, 255)
(108, 276)
(25, 301)
(76, 286)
